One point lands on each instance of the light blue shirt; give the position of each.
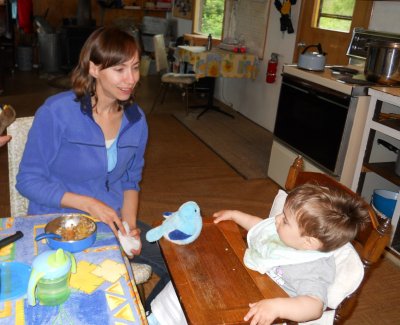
(111, 146)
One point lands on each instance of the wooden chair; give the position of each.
(369, 243)
(19, 132)
(182, 80)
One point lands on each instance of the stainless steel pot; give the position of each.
(383, 62)
(395, 150)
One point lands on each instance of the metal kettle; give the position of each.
(313, 61)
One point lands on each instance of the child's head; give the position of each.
(324, 217)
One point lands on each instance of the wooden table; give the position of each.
(212, 283)
(103, 290)
(217, 63)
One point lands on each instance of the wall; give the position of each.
(183, 25)
(256, 99)
(59, 9)
(385, 16)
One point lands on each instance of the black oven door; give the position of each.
(311, 120)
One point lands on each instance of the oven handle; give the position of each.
(318, 92)
(320, 95)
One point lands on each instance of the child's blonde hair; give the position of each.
(332, 216)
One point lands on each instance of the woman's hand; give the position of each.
(135, 233)
(106, 214)
(95, 208)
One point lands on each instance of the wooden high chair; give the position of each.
(214, 286)
(370, 243)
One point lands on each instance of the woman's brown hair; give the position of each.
(105, 47)
(334, 217)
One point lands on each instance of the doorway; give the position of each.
(333, 43)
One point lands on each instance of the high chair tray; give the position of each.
(212, 283)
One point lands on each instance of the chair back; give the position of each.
(160, 53)
(370, 243)
(19, 132)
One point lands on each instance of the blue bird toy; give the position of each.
(180, 227)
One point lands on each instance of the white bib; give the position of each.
(266, 250)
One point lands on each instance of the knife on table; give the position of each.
(10, 239)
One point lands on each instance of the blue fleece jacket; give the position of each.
(65, 152)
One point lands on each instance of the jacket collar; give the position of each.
(131, 111)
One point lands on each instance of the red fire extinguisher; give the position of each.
(271, 68)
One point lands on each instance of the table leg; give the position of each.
(210, 101)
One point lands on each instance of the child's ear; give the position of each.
(313, 243)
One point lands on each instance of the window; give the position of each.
(334, 14)
(208, 17)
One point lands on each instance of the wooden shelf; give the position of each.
(383, 169)
(391, 123)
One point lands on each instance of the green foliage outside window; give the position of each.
(212, 17)
(339, 8)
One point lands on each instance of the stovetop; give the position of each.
(348, 79)
(341, 82)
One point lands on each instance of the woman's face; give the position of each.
(116, 82)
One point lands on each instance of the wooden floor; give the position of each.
(180, 167)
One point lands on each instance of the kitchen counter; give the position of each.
(395, 91)
(329, 79)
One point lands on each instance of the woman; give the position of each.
(85, 149)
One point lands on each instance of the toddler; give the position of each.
(296, 249)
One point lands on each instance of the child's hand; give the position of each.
(242, 219)
(263, 312)
(223, 215)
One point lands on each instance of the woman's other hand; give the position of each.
(135, 233)
(4, 139)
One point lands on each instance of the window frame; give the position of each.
(318, 14)
(197, 10)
